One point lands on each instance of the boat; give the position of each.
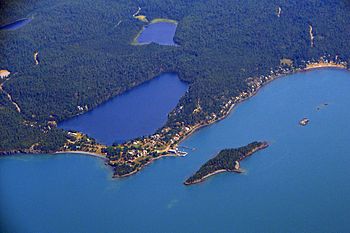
(304, 121)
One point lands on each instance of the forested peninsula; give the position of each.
(226, 160)
(73, 56)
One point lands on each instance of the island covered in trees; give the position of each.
(75, 55)
(226, 160)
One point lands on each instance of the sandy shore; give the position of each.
(205, 177)
(82, 153)
(324, 65)
(211, 174)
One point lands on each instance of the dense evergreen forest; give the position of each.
(225, 160)
(86, 56)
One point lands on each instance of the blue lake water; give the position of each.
(135, 113)
(298, 184)
(160, 33)
(15, 25)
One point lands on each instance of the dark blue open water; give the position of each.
(160, 33)
(299, 184)
(139, 112)
(15, 25)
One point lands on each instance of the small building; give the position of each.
(4, 73)
(237, 166)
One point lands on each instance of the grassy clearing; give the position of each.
(142, 18)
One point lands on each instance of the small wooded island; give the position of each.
(226, 160)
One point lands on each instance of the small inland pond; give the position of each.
(161, 33)
(138, 112)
